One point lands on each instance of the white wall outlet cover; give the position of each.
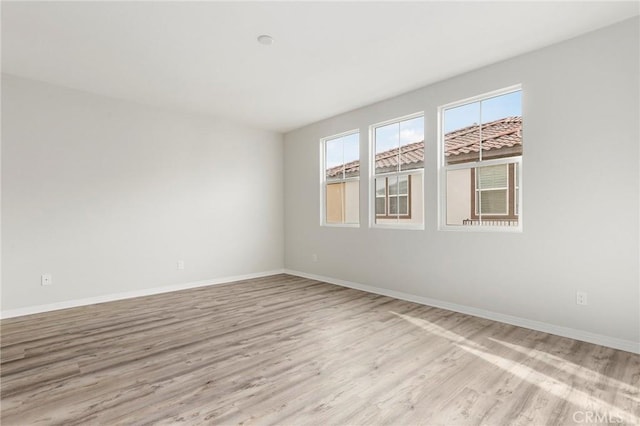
(180, 264)
(46, 279)
(581, 298)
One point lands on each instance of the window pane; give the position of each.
(352, 201)
(381, 189)
(342, 157)
(493, 201)
(406, 208)
(403, 184)
(387, 141)
(393, 185)
(333, 159)
(392, 181)
(342, 160)
(412, 144)
(459, 205)
(499, 107)
(502, 126)
(399, 146)
(403, 202)
(380, 206)
(492, 176)
(489, 199)
(462, 133)
(351, 155)
(335, 203)
(393, 206)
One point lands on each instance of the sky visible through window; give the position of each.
(507, 105)
(342, 150)
(402, 133)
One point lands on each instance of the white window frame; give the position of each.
(418, 173)
(443, 168)
(323, 179)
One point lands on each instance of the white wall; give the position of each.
(107, 196)
(580, 183)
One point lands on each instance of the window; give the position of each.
(341, 179)
(398, 165)
(481, 158)
(392, 197)
(492, 190)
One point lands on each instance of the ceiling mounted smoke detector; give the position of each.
(265, 39)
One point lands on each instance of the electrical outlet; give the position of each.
(46, 279)
(314, 257)
(181, 264)
(581, 298)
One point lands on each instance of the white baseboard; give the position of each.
(585, 336)
(131, 294)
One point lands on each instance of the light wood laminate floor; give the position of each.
(292, 351)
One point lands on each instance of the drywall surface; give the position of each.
(107, 196)
(580, 196)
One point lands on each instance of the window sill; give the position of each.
(408, 227)
(340, 225)
(469, 228)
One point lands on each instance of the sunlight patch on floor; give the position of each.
(530, 375)
(629, 391)
(433, 328)
(551, 385)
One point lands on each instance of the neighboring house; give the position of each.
(500, 138)
(492, 191)
(496, 185)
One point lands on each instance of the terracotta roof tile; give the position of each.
(461, 143)
(503, 133)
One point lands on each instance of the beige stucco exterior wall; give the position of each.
(352, 201)
(458, 196)
(343, 202)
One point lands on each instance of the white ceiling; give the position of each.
(328, 57)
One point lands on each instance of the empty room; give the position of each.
(320, 213)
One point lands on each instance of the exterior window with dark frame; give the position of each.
(398, 167)
(481, 146)
(393, 197)
(341, 179)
